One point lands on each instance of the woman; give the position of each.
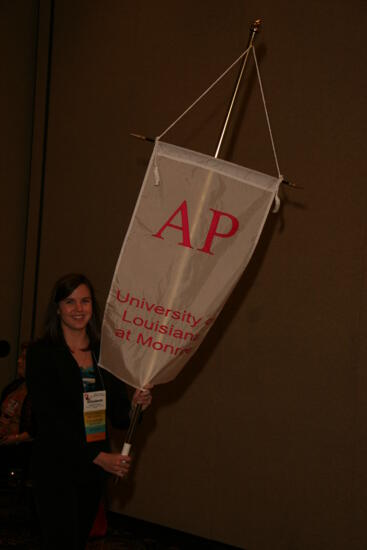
(69, 393)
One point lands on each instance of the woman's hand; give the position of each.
(114, 463)
(14, 439)
(9, 440)
(143, 397)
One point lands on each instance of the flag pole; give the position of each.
(126, 448)
(134, 418)
(254, 29)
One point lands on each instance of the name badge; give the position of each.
(94, 406)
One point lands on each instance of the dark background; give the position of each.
(261, 441)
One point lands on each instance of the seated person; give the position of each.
(15, 423)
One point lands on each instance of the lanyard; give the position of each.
(94, 408)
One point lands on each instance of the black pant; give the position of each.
(67, 510)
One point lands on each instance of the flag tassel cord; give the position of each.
(254, 29)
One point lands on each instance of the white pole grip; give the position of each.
(126, 449)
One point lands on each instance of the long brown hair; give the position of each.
(61, 290)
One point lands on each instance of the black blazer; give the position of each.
(56, 391)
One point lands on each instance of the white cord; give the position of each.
(203, 94)
(156, 172)
(266, 114)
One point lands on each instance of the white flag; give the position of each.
(195, 226)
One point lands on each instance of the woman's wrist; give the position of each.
(21, 438)
(98, 460)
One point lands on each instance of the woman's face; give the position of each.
(76, 310)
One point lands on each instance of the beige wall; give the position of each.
(261, 442)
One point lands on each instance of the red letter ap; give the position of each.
(184, 227)
(213, 227)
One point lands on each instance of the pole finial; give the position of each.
(255, 27)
